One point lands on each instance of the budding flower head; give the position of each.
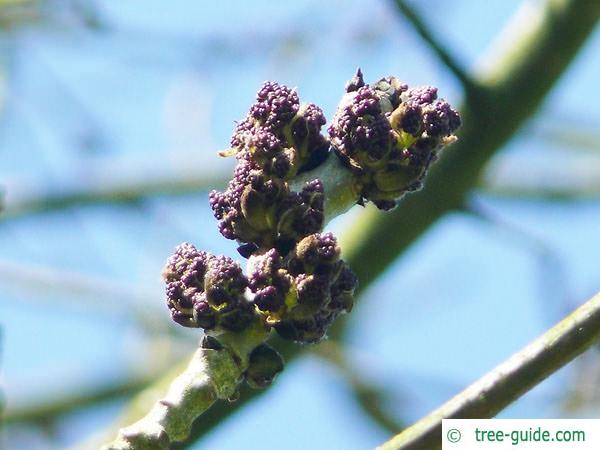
(263, 211)
(388, 135)
(206, 291)
(281, 136)
(278, 139)
(302, 293)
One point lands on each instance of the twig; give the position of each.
(91, 293)
(210, 376)
(105, 187)
(51, 410)
(553, 292)
(369, 396)
(573, 178)
(436, 45)
(101, 294)
(556, 177)
(511, 379)
(567, 132)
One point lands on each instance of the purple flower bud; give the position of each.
(317, 253)
(388, 135)
(302, 293)
(275, 104)
(206, 291)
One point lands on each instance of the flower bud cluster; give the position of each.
(278, 139)
(388, 135)
(302, 293)
(206, 291)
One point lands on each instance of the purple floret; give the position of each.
(269, 282)
(275, 105)
(301, 294)
(422, 96)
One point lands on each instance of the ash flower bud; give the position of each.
(300, 295)
(264, 365)
(312, 294)
(389, 90)
(388, 135)
(275, 105)
(224, 281)
(313, 328)
(184, 276)
(277, 140)
(270, 283)
(206, 291)
(317, 253)
(306, 134)
(265, 213)
(279, 135)
(305, 331)
(342, 291)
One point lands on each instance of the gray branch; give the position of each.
(510, 380)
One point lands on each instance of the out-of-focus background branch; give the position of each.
(111, 120)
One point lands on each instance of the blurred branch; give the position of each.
(551, 193)
(570, 134)
(14, 13)
(512, 89)
(552, 281)
(435, 44)
(541, 177)
(583, 388)
(510, 380)
(101, 294)
(369, 396)
(152, 360)
(42, 413)
(90, 293)
(105, 187)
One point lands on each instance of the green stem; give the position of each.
(210, 376)
(510, 380)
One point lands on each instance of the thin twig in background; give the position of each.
(553, 284)
(368, 395)
(104, 186)
(51, 410)
(436, 45)
(576, 177)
